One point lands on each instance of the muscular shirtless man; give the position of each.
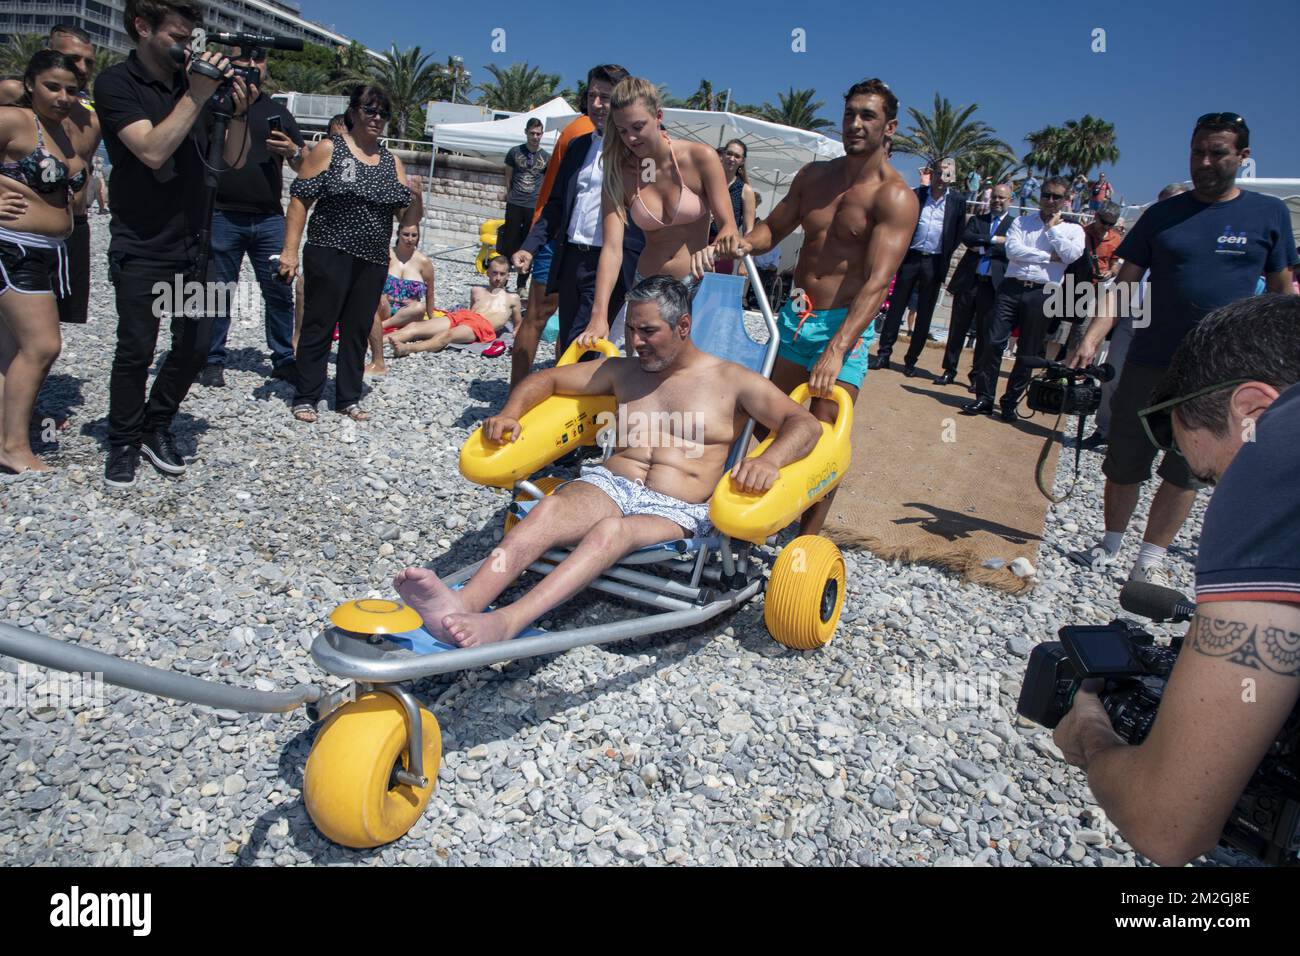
(858, 216)
(654, 488)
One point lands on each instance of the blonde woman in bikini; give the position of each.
(667, 187)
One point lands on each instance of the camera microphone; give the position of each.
(246, 40)
(1156, 603)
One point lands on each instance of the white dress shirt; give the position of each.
(585, 225)
(928, 237)
(1030, 247)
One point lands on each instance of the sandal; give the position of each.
(304, 413)
(355, 413)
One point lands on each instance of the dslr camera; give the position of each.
(1265, 823)
(1061, 390)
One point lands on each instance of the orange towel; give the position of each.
(481, 327)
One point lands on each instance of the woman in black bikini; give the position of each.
(39, 173)
(358, 186)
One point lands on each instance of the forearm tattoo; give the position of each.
(1272, 648)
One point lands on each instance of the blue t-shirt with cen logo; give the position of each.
(1202, 256)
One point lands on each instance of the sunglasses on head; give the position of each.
(1158, 420)
(1235, 119)
(376, 111)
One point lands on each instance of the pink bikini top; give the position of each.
(687, 210)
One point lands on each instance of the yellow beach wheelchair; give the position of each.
(487, 244)
(371, 769)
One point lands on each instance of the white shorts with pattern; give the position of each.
(634, 498)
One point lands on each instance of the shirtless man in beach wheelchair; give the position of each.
(680, 411)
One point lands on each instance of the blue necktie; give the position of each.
(984, 259)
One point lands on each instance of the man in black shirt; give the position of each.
(249, 219)
(151, 112)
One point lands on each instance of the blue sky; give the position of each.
(1164, 64)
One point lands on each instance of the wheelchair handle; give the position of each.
(575, 352)
(843, 419)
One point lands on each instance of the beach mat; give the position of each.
(932, 486)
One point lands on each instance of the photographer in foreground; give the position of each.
(154, 108)
(1230, 405)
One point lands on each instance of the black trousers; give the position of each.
(344, 290)
(76, 307)
(966, 309)
(1016, 303)
(576, 284)
(926, 273)
(511, 235)
(140, 309)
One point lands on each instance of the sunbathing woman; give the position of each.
(668, 188)
(407, 295)
(491, 307)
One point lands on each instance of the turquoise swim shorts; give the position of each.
(804, 344)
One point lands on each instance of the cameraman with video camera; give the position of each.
(1230, 405)
(154, 109)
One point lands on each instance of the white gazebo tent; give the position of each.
(491, 139)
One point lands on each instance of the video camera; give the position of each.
(1062, 390)
(1265, 823)
(254, 45)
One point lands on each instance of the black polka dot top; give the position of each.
(354, 203)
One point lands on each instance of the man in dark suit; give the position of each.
(977, 278)
(938, 229)
(571, 217)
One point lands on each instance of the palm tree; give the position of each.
(949, 131)
(797, 109)
(299, 77)
(1087, 143)
(410, 78)
(705, 99)
(518, 88)
(1046, 150)
(15, 55)
(575, 97)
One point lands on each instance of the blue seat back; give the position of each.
(718, 322)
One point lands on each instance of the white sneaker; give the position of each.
(1150, 574)
(1096, 558)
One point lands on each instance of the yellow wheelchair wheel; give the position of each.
(544, 485)
(805, 593)
(349, 785)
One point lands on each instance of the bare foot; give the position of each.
(376, 368)
(473, 630)
(17, 463)
(400, 350)
(429, 597)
